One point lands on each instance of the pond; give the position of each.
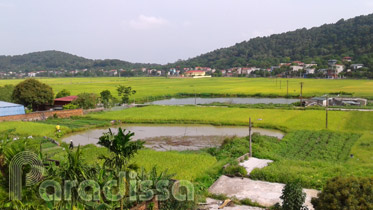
(174, 137)
(192, 101)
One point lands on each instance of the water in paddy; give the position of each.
(191, 101)
(174, 137)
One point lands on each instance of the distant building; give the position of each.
(310, 65)
(195, 73)
(31, 74)
(60, 102)
(285, 64)
(299, 63)
(336, 101)
(7, 109)
(357, 66)
(310, 71)
(274, 68)
(347, 59)
(296, 68)
(339, 68)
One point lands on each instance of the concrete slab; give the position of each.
(253, 163)
(265, 193)
(214, 205)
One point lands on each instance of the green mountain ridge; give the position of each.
(353, 38)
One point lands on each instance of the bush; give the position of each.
(235, 170)
(70, 106)
(86, 101)
(63, 93)
(293, 196)
(345, 193)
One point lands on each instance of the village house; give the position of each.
(285, 64)
(310, 65)
(298, 63)
(339, 68)
(296, 68)
(357, 66)
(60, 102)
(310, 71)
(347, 59)
(336, 101)
(193, 73)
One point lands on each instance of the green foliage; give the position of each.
(293, 196)
(345, 193)
(70, 106)
(321, 145)
(235, 170)
(63, 93)
(231, 148)
(107, 99)
(33, 93)
(121, 146)
(86, 101)
(125, 92)
(6, 92)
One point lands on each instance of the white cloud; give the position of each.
(147, 22)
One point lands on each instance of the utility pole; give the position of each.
(251, 152)
(326, 111)
(301, 91)
(287, 88)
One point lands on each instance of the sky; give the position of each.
(157, 31)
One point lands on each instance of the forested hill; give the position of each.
(353, 38)
(56, 60)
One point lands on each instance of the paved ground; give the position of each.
(265, 193)
(214, 205)
(253, 163)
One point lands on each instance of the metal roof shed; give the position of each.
(7, 109)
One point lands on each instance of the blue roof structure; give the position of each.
(7, 109)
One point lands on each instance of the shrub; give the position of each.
(63, 93)
(346, 193)
(70, 106)
(235, 170)
(86, 101)
(293, 196)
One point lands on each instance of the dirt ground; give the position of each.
(254, 163)
(265, 193)
(165, 143)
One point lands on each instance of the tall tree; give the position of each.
(63, 93)
(125, 92)
(33, 93)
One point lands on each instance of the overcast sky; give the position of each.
(157, 31)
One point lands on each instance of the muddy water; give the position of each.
(191, 101)
(174, 137)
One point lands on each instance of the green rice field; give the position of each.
(150, 87)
